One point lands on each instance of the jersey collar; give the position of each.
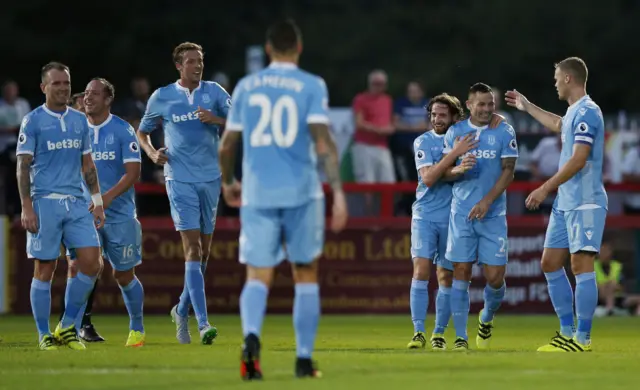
(477, 128)
(55, 114)
(101, 125)
(185, 89)
(575, 104)
(282, 65)
(436, 134)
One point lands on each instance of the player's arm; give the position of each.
(90, 174)
(548, 119)
(130, 152)
(148, 124)
(25, 151)
(227, 154)
(454, 148)
(327, 152)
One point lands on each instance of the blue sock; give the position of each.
(78, 320)
(195, 283)
(185, 300)
(586, 302)
(41, 306)
(253, 305)
(306, 315)
(133, 295)
(79, 289)
(67, 291)
(492, 300)
(443, 309)
(460, 307)
(562, 299)
(419, 303)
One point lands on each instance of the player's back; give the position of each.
(57, 142)
(493, 146)
(279, 165)
(583, 124)
(432, 203)
(115, 144)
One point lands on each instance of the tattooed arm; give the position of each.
(28, 217)
(91, 178)
(327, 154)
(506, 177)
(227, 155)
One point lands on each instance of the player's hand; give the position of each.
(536, 198)
(159, 157)
(232, 193)
(207, 117)
(106, 202)
(29, 219)
(465, 165)
(98, 216)
(516, 99)
(496, 119)
(479, 210)
(339, 212)
(464, 144)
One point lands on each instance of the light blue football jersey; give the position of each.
(114, 144)
(57, 142)
(583, 124)
(192, 146)
(273, 108)
(432, 203)
(493, 146)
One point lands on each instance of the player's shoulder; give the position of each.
(506, 129)
(213, 87)
(121, 126)
(164, 91)
(73, 113)
(589, 108)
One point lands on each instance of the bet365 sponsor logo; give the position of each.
(64, 144)
(97, 156)
(486, 154)
(191, 116)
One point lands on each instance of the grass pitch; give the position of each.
(354, 352)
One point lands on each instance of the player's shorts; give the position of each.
(578, 230)
(63, 219)
(429, 241)
(194, 205)
(121, 244)
(264, 231)
(485, 240)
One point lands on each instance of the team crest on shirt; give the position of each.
(77, 127)
(110, 139)
(492, 140)
(22, 138)
(206, 99)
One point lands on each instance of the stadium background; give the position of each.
(445, 45)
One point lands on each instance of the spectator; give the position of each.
(631, 174)
(543, 164)
(12, 109)
(608, 277)
(372, 110)
(222, 79)
(498, 96)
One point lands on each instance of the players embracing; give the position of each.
(579, 212)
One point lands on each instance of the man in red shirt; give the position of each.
(373, 112)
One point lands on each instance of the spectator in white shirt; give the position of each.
(12, 109)
(631, 174)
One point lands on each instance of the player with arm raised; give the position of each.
(54, 153)
(478, 223)
(191, 112)
(577, 220)
(283, 113)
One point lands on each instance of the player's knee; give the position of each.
(44, 270)
(72, 269)
(421, 268)
(305, 273)
(265, 275)
(582, 262)
(194, 251)
(552, 259)
(494, 275)
(445, 277)
(462, 271)
(124, 278)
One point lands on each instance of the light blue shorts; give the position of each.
(578, 230)
(484, 240)
(429, 241)
(194, 205)
(265, 231)
(66, 220)
(121, 244)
